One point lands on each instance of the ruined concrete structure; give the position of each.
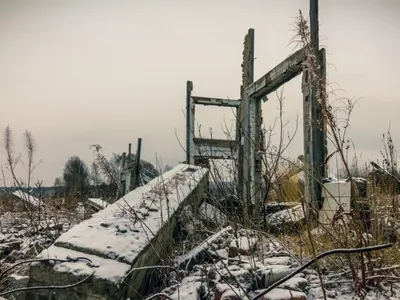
(130, 170)
(248, 146)
(121, 241)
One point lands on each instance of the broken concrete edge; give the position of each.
(105, 278)
(98, 203)
(287, 220)
(124, 228)
(184, 260)
(160, 248)
(189, 182)
(254, 269)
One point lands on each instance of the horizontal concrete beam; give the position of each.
(215, 142)
(216, 101)
(282, 73)
(214, 148)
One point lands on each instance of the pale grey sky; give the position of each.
(77, 73)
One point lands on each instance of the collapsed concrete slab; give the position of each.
(287, 220)
(135, 232)
(214, 271)
(97, 203)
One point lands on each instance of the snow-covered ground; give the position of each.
(230, 263)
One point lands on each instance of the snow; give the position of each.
(28, 198)
(293, 214)
(234, 293)
(100, 203)
(227, 275)
(295, 283)
(278, 260)
(245, 244)
(18, 277)
(188, 289)
(281, 294)
(124, 228)
(202, 247)
(107, 268)
(7, 220)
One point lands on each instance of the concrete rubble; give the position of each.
(163, 239)
(286, 220)
(236, 264)
(134, 232)
(23, 238)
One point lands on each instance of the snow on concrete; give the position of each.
(278, 260)
(28, 198)
(203, 246)
(282, 294)
(188, 289)
(97, 202)
(225, 274)
(7, 220)
(295, 284)
(124, 228)
(108, 269)
(245, 244)
(117, 237)
(287, 219)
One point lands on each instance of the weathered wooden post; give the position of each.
(246, 149)
(190, 117)
(129, 152)
(136, 170)
(249, 137)
(122, 186)
(315, 143)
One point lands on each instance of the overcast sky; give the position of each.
(77, 73)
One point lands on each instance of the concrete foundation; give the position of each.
(134, 232)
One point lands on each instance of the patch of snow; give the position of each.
(188, 289)
(290, 215)
(18, 277)
(107, 268)
(295, 284)
(235, 293)
(282, 294)
(7, 220)
(246, 244)
(100, 203)
(202, 247)
(279, 260)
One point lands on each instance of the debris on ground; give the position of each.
(286, 220)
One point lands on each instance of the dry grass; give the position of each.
(292, 190)
(342, 233)
(288, 186)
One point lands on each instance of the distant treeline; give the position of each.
(48, 191)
